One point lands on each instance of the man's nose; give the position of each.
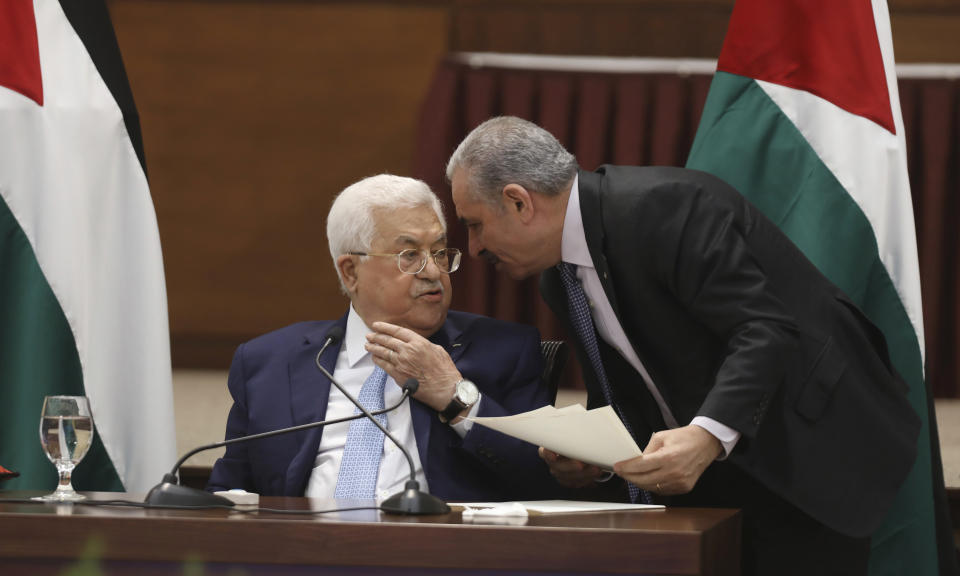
(474, 247)
(430, 269)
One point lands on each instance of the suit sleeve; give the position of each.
(233, 469)
(517, 388)
(696, 244)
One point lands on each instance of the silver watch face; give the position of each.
(467, 392)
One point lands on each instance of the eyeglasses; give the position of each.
(412, 261)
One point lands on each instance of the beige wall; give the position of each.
(948, 422)
(201, 402)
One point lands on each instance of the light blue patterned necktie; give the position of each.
(583, 324)
(360, 464)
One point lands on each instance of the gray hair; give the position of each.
(350, 222)
(509, 150)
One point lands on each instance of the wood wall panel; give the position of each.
(254, 115)
(256, 112)
(655, 29)
(927, 36)
(923, 30)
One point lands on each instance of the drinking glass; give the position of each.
(66, 432)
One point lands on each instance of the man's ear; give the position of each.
(519, 200)
(347, 265)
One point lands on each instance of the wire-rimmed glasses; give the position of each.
(413, 261)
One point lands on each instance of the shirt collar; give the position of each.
(573, 243)
(355, 338)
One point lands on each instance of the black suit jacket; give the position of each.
(734, 323)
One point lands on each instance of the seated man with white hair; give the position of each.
(388, 241)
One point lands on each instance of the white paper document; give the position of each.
(546, 507)
(593, 436)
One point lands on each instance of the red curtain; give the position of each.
(651, 119)
(931, 117)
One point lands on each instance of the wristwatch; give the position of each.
(465, 396)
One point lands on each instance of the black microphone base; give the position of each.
(169, 493)
(413, 502)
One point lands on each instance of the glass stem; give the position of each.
(65, 484)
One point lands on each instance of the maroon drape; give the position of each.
(931, 117)
(651, 119)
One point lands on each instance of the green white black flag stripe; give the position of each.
(82, 294)
(803, 117)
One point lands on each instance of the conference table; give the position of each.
(45, 538)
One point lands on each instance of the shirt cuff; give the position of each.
(727, 436)
(464, 425)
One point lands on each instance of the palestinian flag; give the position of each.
(83, 307)
(803, 117)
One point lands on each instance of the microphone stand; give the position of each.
(170, 493)
(411, 501)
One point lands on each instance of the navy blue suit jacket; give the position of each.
(275, 384)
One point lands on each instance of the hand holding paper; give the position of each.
(572, 473)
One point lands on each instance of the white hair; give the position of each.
(351, 225)
(509, 150)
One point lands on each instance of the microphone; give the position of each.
(411, 500)
(170, 493)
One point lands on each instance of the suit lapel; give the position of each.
(309, 393)
(424, 417)
(590, 210)
(590, 184)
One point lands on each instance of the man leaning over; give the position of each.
(748, 378)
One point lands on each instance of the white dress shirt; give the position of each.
(574, 250)
(354, 365)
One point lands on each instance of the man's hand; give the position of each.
(404, 354)
(673, 461)
(568, 472)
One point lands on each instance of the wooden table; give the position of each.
(39, 538)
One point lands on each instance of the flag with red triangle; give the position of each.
(803, 117)
(83, 307)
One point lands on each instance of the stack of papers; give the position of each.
(595, 436)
